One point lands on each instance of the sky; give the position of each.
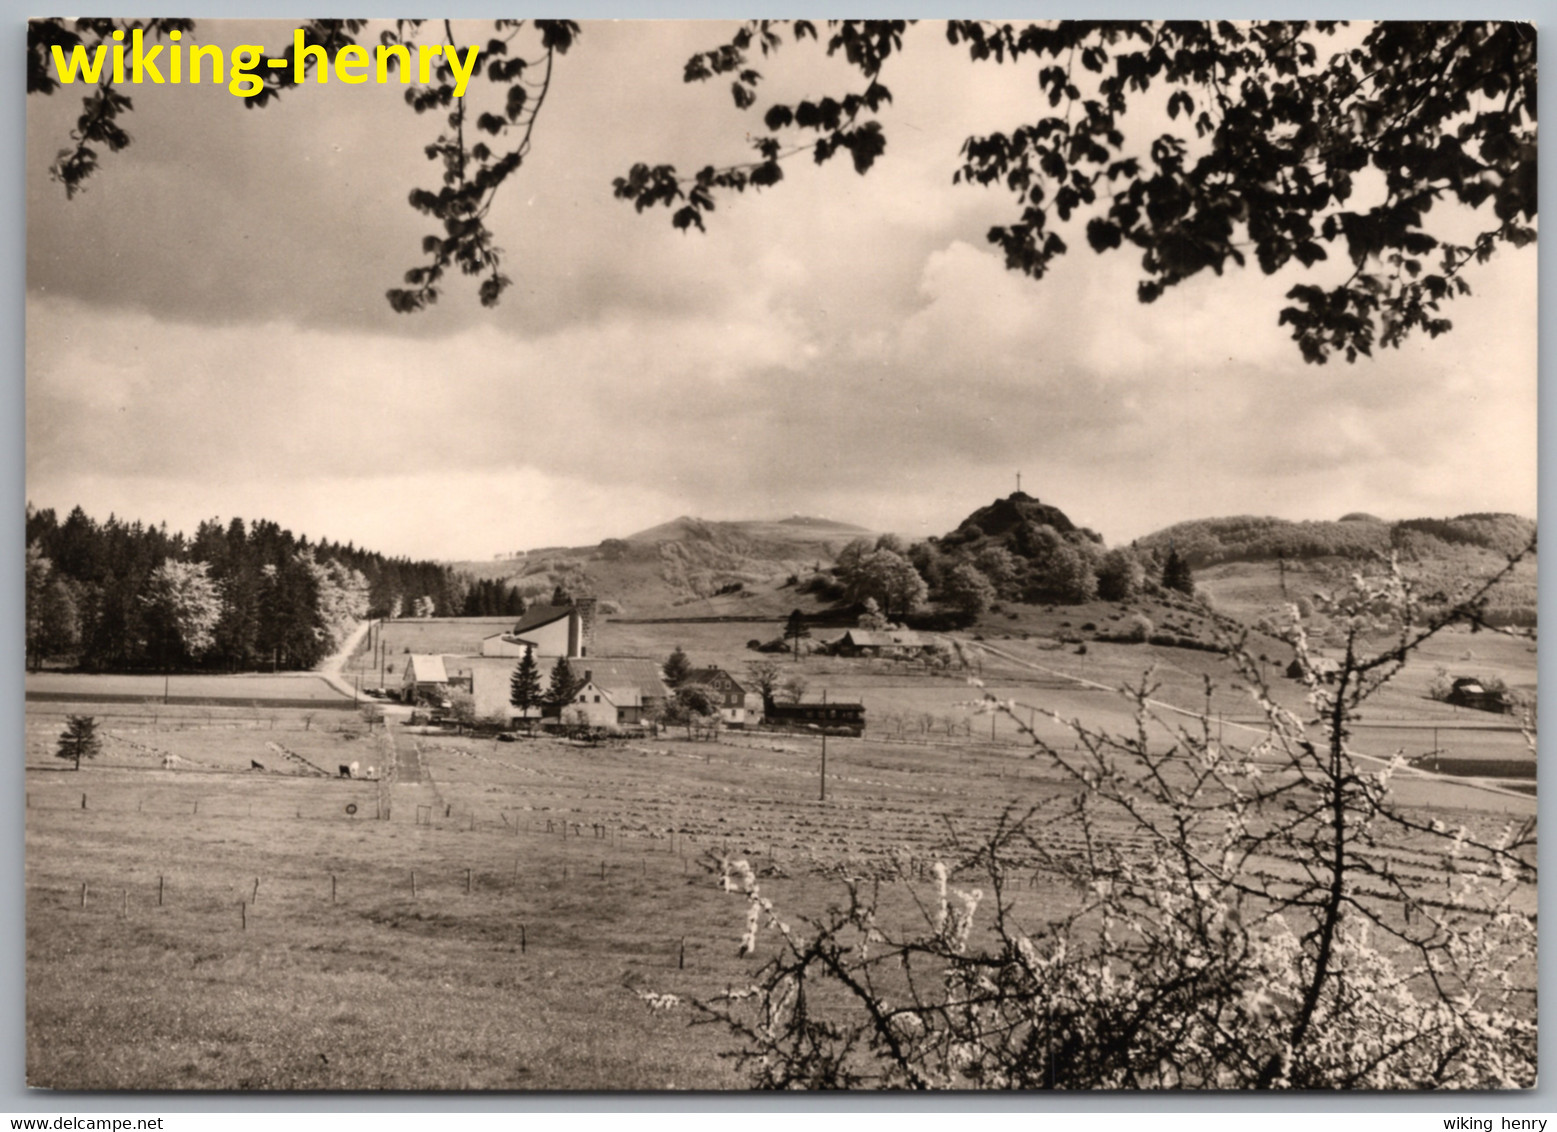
(207, 334)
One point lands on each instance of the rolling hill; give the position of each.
(1252, 565)
(687, 567)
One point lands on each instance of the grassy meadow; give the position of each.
(496, 923)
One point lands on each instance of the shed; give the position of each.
(423, 676)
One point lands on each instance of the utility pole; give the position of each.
(824, 749)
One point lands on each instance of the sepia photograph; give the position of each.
(648, 555)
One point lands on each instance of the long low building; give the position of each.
(845, 717)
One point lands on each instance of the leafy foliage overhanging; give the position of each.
(1284, 142)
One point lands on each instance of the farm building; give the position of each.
(733, 697)
(821, 717)
(596, 707)
(551, 630)
(1326, 668)
(424, 677)
(884, 642)
(506, 644)
(633, 684)
(1470, 692)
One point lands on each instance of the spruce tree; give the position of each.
(564, 685)
(524, 687)
(1176, 574)
(677, 667)
(795, 630)
(79, 740)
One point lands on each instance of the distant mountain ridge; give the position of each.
(796, 528)
(718, 566)
(1249, 538)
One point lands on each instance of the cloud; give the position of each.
(206, 326)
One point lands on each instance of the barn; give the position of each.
(883, 642)
(831, 717)
(1471, 692)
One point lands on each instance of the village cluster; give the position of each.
(622, 693)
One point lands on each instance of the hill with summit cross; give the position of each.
(693, 567)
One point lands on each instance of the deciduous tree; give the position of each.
(871, 616)
(182, 607)
(763, 675)
(968, 591)
(1119, 575)
(1284, 142)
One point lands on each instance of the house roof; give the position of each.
(709, 675)
(510, 638)
(427, 667)
(538, 615)
(609, 693)
(621, 672)
(782, 708)
(887, 638)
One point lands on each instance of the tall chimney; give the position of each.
(586, 616)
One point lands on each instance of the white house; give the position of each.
(632, 683)
(423, 673)
(593, 705)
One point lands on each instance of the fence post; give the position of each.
(254, 897)
(124, 902)
(159, 890)
(83, 893)
(83, 799)
(332, 888)
(467, 882)
(243, 913)
(521, 939)
(681, 959)
(413, 884)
